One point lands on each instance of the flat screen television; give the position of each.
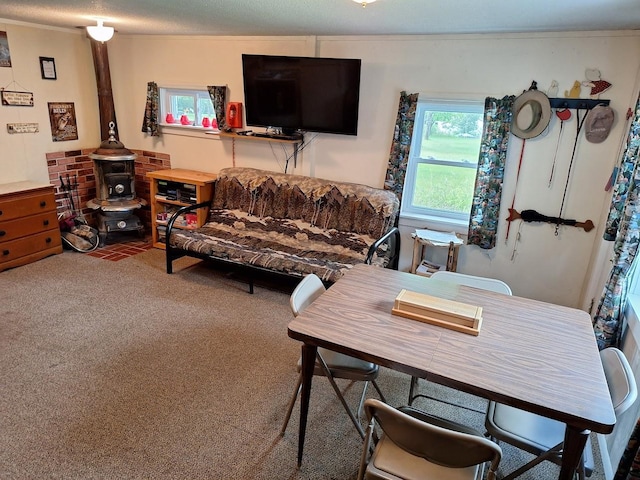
(302, 93)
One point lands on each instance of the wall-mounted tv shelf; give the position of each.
(295, 143)
(576, 103)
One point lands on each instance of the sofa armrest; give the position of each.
(182, 211)
(392, 237)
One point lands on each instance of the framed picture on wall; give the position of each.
(48, 68)
(5, 55)
(63, 121)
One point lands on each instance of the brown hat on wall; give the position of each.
(598, 123)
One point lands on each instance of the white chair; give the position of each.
(418, 446)
(484, 283)
(329, 363)
(543, 436)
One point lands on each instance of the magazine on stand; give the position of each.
(427, 268)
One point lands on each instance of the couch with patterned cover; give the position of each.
(291, 225)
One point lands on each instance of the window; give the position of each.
(186, 107)
(444, 156)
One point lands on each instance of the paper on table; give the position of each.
(438, 237)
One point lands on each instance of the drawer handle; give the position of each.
(43, 203)
(0, 212)
(5, 252)
(2, 233)
(45, 223)
(48, 240)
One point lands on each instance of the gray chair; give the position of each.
(543, 436)
(417, 445)
(484, 283)
(329, 363)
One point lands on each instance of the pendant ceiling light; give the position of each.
(364, 2)
(100, 32)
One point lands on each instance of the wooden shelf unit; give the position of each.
(203, 183)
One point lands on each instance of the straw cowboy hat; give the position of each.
(531, 113)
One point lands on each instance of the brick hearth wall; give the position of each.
(79, 167)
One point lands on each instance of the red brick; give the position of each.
(55, 155)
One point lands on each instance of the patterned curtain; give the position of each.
(399, 156)
(219, 99)
(623, 227)
(150, 120)
(485, 210)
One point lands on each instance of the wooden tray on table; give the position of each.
(458, 316)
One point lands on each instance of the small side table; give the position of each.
(419, 245)
(196, 187)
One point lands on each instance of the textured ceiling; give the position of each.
(328, 17)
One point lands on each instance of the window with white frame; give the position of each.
(444, 156)
(186, 107)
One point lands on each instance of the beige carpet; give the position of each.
(116, 370)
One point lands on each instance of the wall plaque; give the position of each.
(23, 128)
(17, 99)
(48, 68)
(63, 121)
(5, 54)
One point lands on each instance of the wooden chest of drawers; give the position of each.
(28, 223)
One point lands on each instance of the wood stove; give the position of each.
(114, 167)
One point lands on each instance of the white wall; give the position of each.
(189, 62)
(545, 266)
(22, 156)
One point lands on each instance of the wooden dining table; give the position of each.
(529, 354)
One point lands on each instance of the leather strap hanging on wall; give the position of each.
(579, 124)
(621, 146)
(563, 115)
(513, 200)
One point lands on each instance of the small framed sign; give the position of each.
(5, 54)
(18, 99)
(23, 128)
(48, 68)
